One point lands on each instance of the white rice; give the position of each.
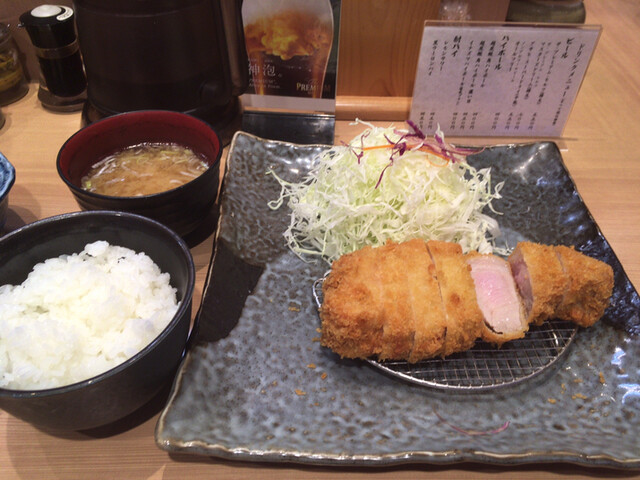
(79, 315)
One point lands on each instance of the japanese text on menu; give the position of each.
(499, 80)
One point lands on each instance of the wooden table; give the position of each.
(601, 147)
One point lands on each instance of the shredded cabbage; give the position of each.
(357, 195)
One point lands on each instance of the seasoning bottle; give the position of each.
(13, 84)
(547, 11)
(52, 31)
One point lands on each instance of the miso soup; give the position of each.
(144, 169)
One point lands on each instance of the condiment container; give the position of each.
(13, 84)
(52, 31)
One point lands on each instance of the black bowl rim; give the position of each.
(12, 176)
(184, 304)
(99, 196)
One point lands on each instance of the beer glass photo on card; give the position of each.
(288, 44)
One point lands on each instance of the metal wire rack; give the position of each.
(484, 366)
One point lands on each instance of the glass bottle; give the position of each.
(13, 84)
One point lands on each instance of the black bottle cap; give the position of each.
(49, 26)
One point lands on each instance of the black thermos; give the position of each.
(52, 31)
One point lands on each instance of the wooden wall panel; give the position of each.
(379, 45)
(380, 42)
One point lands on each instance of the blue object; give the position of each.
(7, 178)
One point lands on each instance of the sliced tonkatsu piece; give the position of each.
(352, 309)
(457, 291)
(397, 330)
(588, 287)
(498, 299)
(540, 279)
(428, 317)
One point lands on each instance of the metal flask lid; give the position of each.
(50, 26)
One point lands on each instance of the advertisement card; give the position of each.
(293, 53)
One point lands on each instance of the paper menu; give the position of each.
(478, 79)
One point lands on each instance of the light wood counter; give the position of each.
(601, 147)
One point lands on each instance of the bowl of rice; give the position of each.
(95, 315)
(161, 164)
(7, 178)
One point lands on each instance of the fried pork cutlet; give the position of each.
(587, 289)
(540, 278)
(353, 307)
(375, 305)
(428, 317)
(502, 308)
(560, 282)
(463, 316)
(398, 329)
(415, 300)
